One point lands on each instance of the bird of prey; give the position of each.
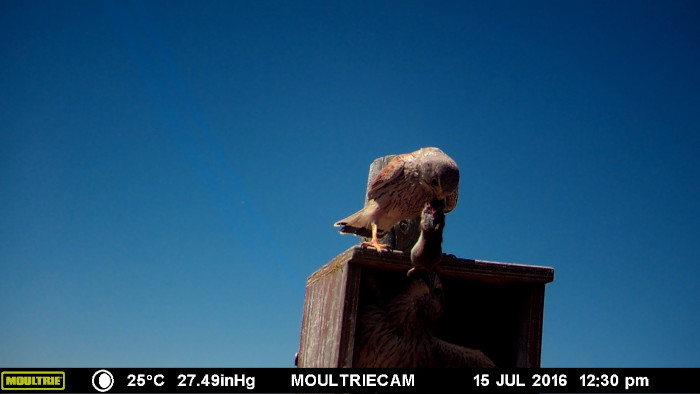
(427, 252)
(400, 334)
(400, 191)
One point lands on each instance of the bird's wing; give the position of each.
(391, 171)
(451, 355)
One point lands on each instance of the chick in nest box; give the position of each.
(400, 333)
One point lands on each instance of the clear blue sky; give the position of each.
(170, 171)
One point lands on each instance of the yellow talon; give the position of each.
(375, 241)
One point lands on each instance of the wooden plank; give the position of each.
(532, 313)
(322, 322)
(478, 269)
(349, 316)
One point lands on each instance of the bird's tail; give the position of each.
(358, 223)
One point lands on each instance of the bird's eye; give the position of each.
(437, 291)
(435, 182)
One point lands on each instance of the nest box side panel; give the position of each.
(329, 313)
(530, 333)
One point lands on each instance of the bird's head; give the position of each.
(439, 173)
(427, 297)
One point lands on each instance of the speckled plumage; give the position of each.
(401, 189)
(400, 334)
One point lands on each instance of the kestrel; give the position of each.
(427, 252)
(400, 334)
(400, 191)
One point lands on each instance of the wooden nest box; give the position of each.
(495, 307)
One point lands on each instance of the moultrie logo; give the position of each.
(33, 380)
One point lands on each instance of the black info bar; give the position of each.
(343, 380)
